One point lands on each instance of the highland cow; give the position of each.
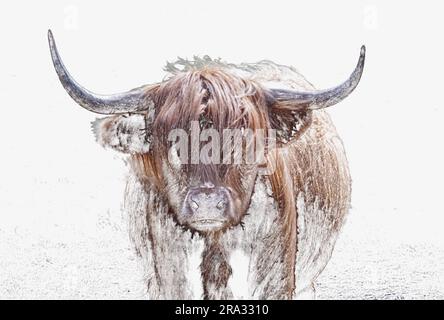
(222, 230)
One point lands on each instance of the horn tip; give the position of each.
(363, 50)
(50, 36)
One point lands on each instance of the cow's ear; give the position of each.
(124, 133)
(289, 124)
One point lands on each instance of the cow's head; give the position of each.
(205, 193)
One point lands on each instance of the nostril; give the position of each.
(194, 205)
(220, 205)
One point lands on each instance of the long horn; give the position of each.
(131, 101)
(321, 98)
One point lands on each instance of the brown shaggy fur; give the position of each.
(309, 186)
(230, 102)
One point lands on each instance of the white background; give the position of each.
(60, 193)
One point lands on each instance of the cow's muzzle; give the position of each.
(207, 208)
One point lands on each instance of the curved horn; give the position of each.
(321, 98)
(131, 101)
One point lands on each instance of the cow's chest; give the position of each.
(253, 253)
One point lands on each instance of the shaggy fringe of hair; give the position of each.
(211, 96)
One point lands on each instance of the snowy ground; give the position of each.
(380, 257)
(83, 266)
(70, 264)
